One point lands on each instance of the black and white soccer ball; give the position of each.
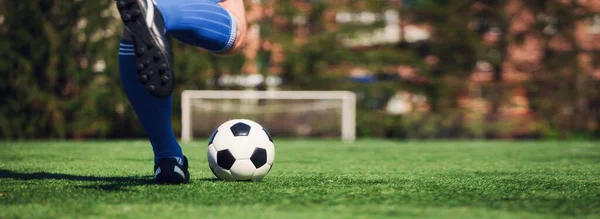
(241, 150)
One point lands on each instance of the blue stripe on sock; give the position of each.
(206, 29)
(225, 25)
(226, 16)
(195, 4)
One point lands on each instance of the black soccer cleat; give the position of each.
(145, 23)
(170, 171)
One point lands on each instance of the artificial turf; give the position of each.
(310, 179)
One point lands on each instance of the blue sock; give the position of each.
(153, 112)
(202, 23)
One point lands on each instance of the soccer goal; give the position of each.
(318, 114)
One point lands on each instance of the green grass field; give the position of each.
(310, 179)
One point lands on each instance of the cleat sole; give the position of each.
(151, 47)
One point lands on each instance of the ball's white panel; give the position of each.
(257, 132)
(223, 139)
(258, 135)
(223, 174)
(261, 172)
(242, 170)
(242, 147)
(211, 153)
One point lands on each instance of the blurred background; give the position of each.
(421, 69)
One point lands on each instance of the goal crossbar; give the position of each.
(348, 106)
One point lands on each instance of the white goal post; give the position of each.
(347, 99)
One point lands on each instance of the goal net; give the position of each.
(322, 114)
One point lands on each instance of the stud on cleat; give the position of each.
(136, 12)
(144, 78)
(164, 79)
(121, 4)
(151, 88)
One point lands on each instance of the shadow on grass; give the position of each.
(220, 180)
(209, 180)
(109, 183)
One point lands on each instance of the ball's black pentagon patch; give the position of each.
(225, 159)
(259, 157)
(240, 129)
(268, 134)
(212, 137)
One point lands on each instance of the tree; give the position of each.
(59, 69)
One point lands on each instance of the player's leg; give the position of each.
(146, 76)
(145, 57)
(215, 25)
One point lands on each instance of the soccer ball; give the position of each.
(240, 150)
